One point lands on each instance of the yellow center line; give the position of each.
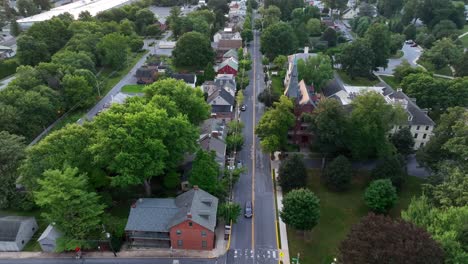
(253, 142)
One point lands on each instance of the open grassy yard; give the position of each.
(390, 80)
(464, 40)
(133, 88)
(277, 84)
(339, 211)
(358, 81)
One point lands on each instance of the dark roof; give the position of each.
(221, 109)
(292, 90)
(225, 81)
(227, 44)
(151, 215)
(223, 94)
(144, 72)
(332, 87)
(160, 214)
(186, 77)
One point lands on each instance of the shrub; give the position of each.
(337, 175)
(380, 196)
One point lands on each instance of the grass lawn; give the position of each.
(277, 85)
(464, 29)
(133, 88)
(339, 211)
(464, 40)
(390, 80)
(358, 81)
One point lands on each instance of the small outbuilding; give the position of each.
(16, 231)
(48, 239)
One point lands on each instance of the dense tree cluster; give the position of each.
(292, 173)
(286, 6)
(315, 71)
(193, 50)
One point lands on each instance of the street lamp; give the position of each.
(108, 235)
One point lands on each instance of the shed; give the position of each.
(16, 231)
(48, 239)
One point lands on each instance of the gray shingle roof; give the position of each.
(50, 232)
(160, 214)
(221, 109)
(188, 78)
(151, 215)
(200, 204)
(10, 226)
(292, 91)
(223, 94)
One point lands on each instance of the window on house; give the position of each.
(179, 243)
(415, 135)
(417, 128)
(399, 127)
(422, 144)
(190, 224)
(22, 241)
(427, 127)
(203, 244)
(203, 233)
(178, 232)
(33, 228)
(424, 136)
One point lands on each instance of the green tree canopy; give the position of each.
(380, 196)
(77, 60)
(65, 200)
(301, 209)
(292, 173)
(11, 154)
(316, 70)
(229, 211)
(31, 51)
(205, 172)
(273, 40)
(77, 90)
(273, 127)
(337, 175)
(403, 141)
(193, 50)
(188, 101)
(137, 141)
(378, 36)
(113, 50)
(392, 168)
(452, 191)
(357, 58)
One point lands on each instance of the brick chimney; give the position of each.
(306, 50)
(189, 215)
(195, 187)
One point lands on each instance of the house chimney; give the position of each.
(133, 205)
(195, 187)
(140, 200)
(399, 90)
(215, 134)
(306, 50)
(189, 215)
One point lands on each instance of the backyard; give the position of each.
(133, 88)
(339, 211)
(358, 81)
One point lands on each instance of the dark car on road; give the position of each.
(248, 209)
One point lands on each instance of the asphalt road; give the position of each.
(410, 54)
(254, 240)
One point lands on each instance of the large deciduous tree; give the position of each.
(403, 141)
(193, 50)
(77, 91)
(11, 154)
(452, 191)
(205, 172)
(372, 118)
(137, 141)
(273, 40)
(380, 196)
(357, 58)
(301, 209)
(292, 173)
(329, 124)
(65, 200)
(113, 50)
(369, 242)
(273, 127)
(392, 168)
(316, 70)
(337, 175)
(188, 101)
(31, 51)
(378, 36)
(229, 211)
(446, 225)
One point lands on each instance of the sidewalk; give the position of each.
(218, 251)
(279, 206)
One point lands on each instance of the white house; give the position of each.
(48, 239)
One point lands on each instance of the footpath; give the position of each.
(219, 250)
(284, 248)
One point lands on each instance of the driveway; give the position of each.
(410, 54)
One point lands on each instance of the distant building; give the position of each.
(228, 66)
(226, 40)
(16, 231)
(48, 239)
(185, 222)
(420, 124)
(92, 6)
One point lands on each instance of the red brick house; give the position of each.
(228, 66)
(305, 101)
(185, 222)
